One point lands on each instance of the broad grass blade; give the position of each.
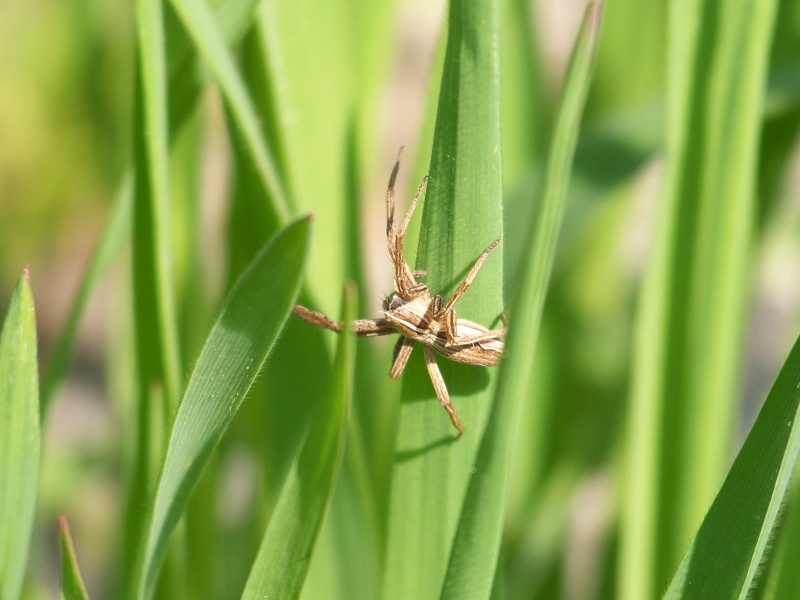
(19, 437)
(229, 363)
(727, 552)
(462, 216)
(473, 560)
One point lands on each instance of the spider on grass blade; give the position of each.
(412, 312)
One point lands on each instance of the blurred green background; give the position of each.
(346, 85)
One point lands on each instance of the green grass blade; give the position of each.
(471, 570)
(282, 562)
(727, 552)
(462, 216)
(688, 340)
(19, 437)
(117, 229)
(229, 363)
(202, 27)
(152, 207)
(157, 363)
(72, 586)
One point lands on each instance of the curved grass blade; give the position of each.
(19, 437)
(232, 356)
(473, 560)
(200, 23)
(728, 550)
(72, 587)
(462, 216)
(286, 549)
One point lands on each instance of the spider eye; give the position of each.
(392, 302)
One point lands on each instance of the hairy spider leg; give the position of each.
(447, 314)
(441, 388)
(362, 327)
(402, 352)
(406, 285)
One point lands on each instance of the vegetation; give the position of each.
(640, 189)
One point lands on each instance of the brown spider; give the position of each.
(418, 317)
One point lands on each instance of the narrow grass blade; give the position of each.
(155, 302)
(688, 336)
(462, 216)
(229, 363)
(202, 27)
(116, 231)
(19, 437)
(473, 560)
(728, 550)
(72, 586)
(282, 562)
(157, 363)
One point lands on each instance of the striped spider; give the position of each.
(417, 316)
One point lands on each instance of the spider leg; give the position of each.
(390, 234)
(441, 389)
(462, 289)
(362, 327)
(402, 351)
(486, 336)
(406, 285)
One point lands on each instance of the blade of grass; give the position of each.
(207, 37)
(155, 320)
(462, 215)
(19, 437)
(727, 552)
(152, 224)
(282, 562)
(108, 248)
(72, 586)
(689, 328)
(232, 356)
(473, 560)
(780, 578)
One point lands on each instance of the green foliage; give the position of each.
(250, 453)
(72, 586)
(19, 437)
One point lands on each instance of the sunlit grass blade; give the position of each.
(72, 586)
(229, 363)
(727, 552)
(473, 560)
(115, 232)
(689, 332)
(206, 35)
(157, 362)
(462, 216)
(286, 549)
(19, 437)
(155, 302)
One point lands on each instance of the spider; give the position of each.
(417, 316)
